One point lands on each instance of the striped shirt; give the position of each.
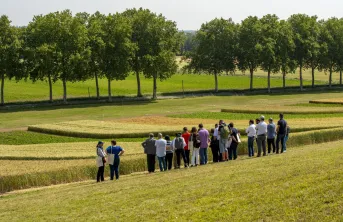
(169, 148)
(100, 152)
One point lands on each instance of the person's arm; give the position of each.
(184, 142)
(144, 144)
(278, 127)
(172, 145)
(122, 152)
(106, 152)
(101, 153)
(234, 138)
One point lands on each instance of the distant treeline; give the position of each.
(60, 46)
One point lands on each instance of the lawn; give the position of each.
(301, 185)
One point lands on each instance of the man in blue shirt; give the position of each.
(113, 152)
(281, 133)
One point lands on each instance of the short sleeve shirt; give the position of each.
(282, 126)
(161, 146)
(234, 133)
(114, 150)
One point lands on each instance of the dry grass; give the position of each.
(338, 101)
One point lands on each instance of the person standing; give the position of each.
(271, 128)
(185, 136)
(113, 154)
(204, 140)
(261, 137)
(179, 145)
(169, 153)
(286, 138)
(281, 133)
(150, 151)
(216, 138)
(194, 144)
(234, 143)
(251, 133)
(100, 161)
(224, 137)
(161, 146)
(213, 146)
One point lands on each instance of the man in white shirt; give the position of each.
(261, 137)
(178, 145)
(251, 132)
(161, 146)
(215, 145)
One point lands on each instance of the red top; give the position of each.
(186, 137)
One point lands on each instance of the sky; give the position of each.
(188, 14)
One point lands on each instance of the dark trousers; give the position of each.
(151, 159)
(215, 152)
(261, 145)
(179, 153)
(233, 151)
(100, 175)
(187, 152)
(280, 138)
(251, 146)
(114, 169)
(271, 142)
(169, 160)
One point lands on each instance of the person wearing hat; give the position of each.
(113, 157)
(271, 128)
(261, 137)
(150, 151)
(100, 161)
(178, 145)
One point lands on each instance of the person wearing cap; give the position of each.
(179, 145)
(271, 128)
(113, 157)
(281, 133)
(185, 136)
(161, 146)
(100, 161)
(204, 140)
(169, 153)
(261, 137)
(150, 151)
(251, 133)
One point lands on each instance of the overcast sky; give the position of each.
(189, 14)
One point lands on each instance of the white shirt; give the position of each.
(216, 133)
(161, 145)
(261, 128)
(251, 130)
(173, 143)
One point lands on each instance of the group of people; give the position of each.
(190, 145)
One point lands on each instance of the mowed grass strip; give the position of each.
(302, 185)
(337, 101)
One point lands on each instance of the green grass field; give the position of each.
(297, 186)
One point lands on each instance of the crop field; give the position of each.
(337, 101)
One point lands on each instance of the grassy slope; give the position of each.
(303, 185)
(160, 107)
(40, 90)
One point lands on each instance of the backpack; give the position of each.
(224, 133)
(179, 143)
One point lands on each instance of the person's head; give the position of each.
(251, 122)
(100, 144)
(113, 142)
(201, 126)
(221, 122)
(167, 138)
(178, 135)
(185, 129)
(160, 135)
(212, 131)
(194, 129)
(257, 121)
(281, 115)
(231, 125)
(216, 125)
(262, 118)
(270, 120)
(151, 135)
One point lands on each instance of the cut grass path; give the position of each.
(305, 185)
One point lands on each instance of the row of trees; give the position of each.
(60, 46)
(271, 44)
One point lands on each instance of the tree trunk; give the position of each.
(50, 88)
(154, 92)
(64, 91)
(330, 77)
(2, 89)
(301, 77)
(109, 91)
(269, 81)
(215, 82)
(97, 85)
(139, 92)
(313, 69)
(251, 78)
(340, 77)
(284, 80)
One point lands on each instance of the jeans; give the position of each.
(100, 175)
(179, 153)
(162, 163)
(151, 159)
(271, 142)
(285, 143)
(280, 138)
(187, 154)
(261, 145)
(233, 151)
(251, 146)
(114, 169)
(169, 160)
(203, 156)
(195, 157)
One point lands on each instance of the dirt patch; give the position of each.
(13, 129)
